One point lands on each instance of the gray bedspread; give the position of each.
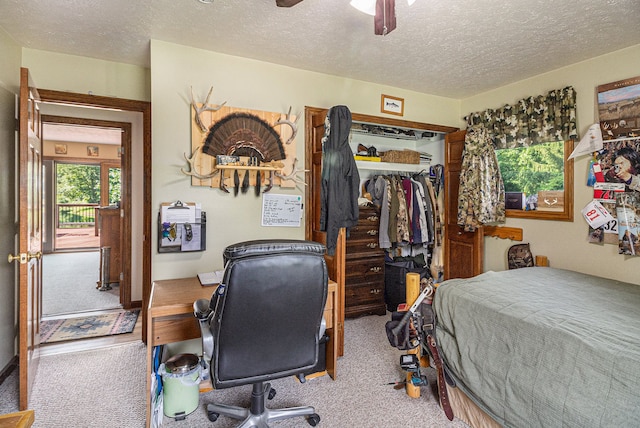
(544, 347)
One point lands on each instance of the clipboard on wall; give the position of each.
(182, 227)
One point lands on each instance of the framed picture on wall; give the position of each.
(93, 151)
(392, 105)
(60, 149)
(619, 109)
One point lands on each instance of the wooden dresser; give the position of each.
(364, 267)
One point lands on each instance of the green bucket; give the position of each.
(181, 385)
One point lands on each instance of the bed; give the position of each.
(541, 347)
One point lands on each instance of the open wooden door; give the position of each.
(462, 250)
(314, 125)
(29, 235)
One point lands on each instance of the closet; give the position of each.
(426, 138)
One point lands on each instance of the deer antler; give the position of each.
(289, 122)
(192, 169)
(203, 108)
(293, 174)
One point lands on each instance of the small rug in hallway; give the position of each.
(87, 327)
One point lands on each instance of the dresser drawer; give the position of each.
(358, 248)
(363, 299)
(369, 292)
(366, 269)
(368, 216)
(363, 232)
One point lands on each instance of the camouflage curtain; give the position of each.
(481, 191)
(533, 120)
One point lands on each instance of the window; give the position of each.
(114, 185)
(539, 168)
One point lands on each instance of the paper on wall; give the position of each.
(596, 215)
(590, 142)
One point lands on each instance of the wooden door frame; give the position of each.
(379, 120)
(337, 263)
(125, 196)
(144, 107)
(105, 166)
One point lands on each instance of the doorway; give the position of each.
(83, 175)
(136, 228)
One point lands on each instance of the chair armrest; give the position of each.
(323, 328)
(203, 314)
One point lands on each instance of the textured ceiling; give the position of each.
(452, 48)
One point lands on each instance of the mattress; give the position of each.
(544, 347)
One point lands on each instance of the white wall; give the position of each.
(247, 84)
(87, 75)
(566, 243)
(11, 55)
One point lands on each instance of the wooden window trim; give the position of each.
(567, 214)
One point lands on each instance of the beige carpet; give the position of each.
(106, 388)
(101, 388)
(359, 397)
(69, 284)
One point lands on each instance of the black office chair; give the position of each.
(264, 322)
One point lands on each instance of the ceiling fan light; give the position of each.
(366, 6)
(206, 1)
(411, 2)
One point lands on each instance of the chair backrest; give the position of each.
(266, 321)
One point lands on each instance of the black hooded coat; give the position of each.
(340, 179)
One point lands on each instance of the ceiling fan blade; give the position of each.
(287, 3)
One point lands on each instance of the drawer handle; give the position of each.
(372, 245)
(372, 218)
(375, 291)
(372, 232)
(375, 269)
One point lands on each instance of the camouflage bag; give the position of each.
(519, 256)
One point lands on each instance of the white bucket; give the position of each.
(181, 384)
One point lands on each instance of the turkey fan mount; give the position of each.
(244, 134)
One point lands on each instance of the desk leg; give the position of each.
(149, 365)
(332, 344)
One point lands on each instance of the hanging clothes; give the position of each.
(340, 183)
(419, 218)
(379, 189)
(481, 191)
(402, 215)
(428, 232)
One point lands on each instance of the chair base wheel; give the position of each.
(213, 416)
(314, 419)
(271, 394)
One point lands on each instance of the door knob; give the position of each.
(37, 255)
(22, 258)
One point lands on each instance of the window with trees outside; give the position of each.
(80, 188)
(527, 171)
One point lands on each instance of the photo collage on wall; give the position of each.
(615, 170)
